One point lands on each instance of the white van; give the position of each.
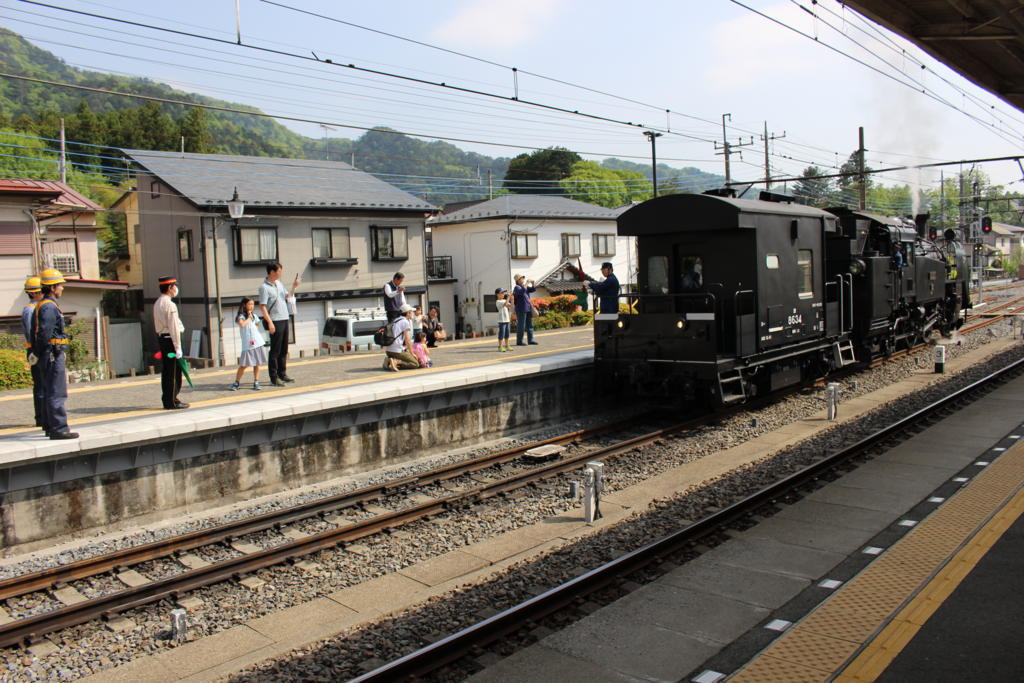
(352, 329)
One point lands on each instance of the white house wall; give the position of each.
(481, 261)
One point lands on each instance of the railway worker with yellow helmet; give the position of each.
(48, 343)
(34, 290)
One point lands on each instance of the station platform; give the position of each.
(905, 569)
(343, 414)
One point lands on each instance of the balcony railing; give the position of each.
(61, 254)
(440, 268)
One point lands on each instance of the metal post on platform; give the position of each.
(179, 625)
(593, 483)
(940, 359)
(832, 396)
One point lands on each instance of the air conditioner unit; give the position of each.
(65, 263)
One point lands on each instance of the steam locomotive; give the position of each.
(741, 297)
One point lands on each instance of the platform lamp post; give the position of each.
(236, 208)
(652, 136)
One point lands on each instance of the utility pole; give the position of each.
(942, 202)
(860, 170)
(728, 147)
(767, 163)
(62, 164)
(652, 136)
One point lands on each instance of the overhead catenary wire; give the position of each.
(462, 139)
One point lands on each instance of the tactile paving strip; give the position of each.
(887, 603)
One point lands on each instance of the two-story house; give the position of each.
(341, 230)
(47, 224)
(487, 242)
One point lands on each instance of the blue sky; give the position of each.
(699, 58)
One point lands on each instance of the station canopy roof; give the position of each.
(983, 40)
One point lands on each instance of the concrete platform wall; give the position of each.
(266, 457)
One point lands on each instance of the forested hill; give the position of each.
(438, 171)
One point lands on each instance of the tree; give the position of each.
(591, 182)
(540, 172)
(85, 134)
(194, 127)
(849, 183)
(814, 189)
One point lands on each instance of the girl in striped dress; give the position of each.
(254, 353)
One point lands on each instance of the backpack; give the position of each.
(383, 336)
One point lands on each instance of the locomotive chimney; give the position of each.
(921, 220)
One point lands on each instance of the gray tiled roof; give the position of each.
(530, 206)
(210, 180)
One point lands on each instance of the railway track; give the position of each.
(469, 641)
(30, 629)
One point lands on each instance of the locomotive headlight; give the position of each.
(857, 267)
(679, 324)
(620, 324)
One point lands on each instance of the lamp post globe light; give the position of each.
(236, 207)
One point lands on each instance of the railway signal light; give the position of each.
(933, 232)
(986, 224)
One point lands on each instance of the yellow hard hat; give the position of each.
(51, 276)
(33, 284)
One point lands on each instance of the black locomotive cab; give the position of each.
(728, 290)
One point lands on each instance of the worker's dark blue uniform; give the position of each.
(48, 344)
(608, 291)
(37, 395)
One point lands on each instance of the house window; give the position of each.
(255, 245)
(570, 244)
(390, 243)
(524, 245)
(604, 245)
(154, 189)
(771, 261)
(184, 245)
(331, 243)
(805, 265)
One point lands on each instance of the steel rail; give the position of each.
(20, 585)
(29, 629)
(459, 644)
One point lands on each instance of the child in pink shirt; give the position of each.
(419, 349)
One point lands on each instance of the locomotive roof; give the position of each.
(681, 212)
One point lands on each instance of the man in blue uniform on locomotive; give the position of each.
(608, 290)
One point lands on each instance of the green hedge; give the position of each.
(14, 371)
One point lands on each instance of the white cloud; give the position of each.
(749, 49)
(497, 23)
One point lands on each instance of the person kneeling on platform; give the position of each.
(399, 354)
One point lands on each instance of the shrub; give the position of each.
(78, 348)
(14, 342)
(563, 303)
(580, 318)
(14, 370)
(551, 320)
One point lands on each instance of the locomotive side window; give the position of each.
(691, 272)
(657, 275)
(805, 265)
(771, 261)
